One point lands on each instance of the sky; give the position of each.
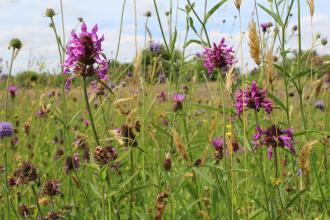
(24, 19)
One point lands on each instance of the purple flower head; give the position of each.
(253, 98)
(177, 97)
(220, 56)
(85, 55)
(274, 137)
(162, 78)
(130, 74)
(12, 91)
(266, 26)
(161, 97)
(320, 105)
(6, 130)
(217, 143)
(154, 47)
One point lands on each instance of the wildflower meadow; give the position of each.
(212, 117)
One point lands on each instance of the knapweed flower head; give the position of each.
(25, 173)
(85, 55)
(219, 56)
(103, 155)
(72, 163)
(274, 137)
(178, 99)
(52, 188)
(12, 91)
(253, 98)
(6, 130)
(266, 26)
(154, 47)
(217, 143)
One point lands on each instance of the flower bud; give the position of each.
(50, 12)
(15, 43)
(324, 41)
(168, 162)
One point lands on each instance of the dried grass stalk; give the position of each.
(311, 7)
(254, 43)
(179, 144)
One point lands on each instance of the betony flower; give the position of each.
(25, 173)
(274, 137)
(85, 55)
(253, 98)
(6, 130)
(219, 56)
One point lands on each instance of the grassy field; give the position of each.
(171, 135)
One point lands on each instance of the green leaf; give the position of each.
(173, 41)
(200, 173)
(104, 173)
(213, 9)
(277, 101)
(193, 41)
(255, 214)
(275, 16)
(295, 197)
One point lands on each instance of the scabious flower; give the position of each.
(154, 47)
(12, 91)
(253, 98)
(178, 99)
(6, 130)
(274, 137)
(266, 26)
(320, 105)
(85, 55)
(219, 56)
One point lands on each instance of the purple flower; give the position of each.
(12, 91)
(178, 100)
(85, 55)
(266, 26)
(154, 47)
(217, 143)
(6, 130)
(177, 97)
(320, 105)
(161, 97)
(220, 56)
(253, 98)
(274, 137)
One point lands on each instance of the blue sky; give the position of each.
(25, 19)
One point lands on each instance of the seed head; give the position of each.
(324, 41)
(50, 12)
(15, 43)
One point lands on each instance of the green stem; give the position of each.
(37, 201)
(90, 112)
